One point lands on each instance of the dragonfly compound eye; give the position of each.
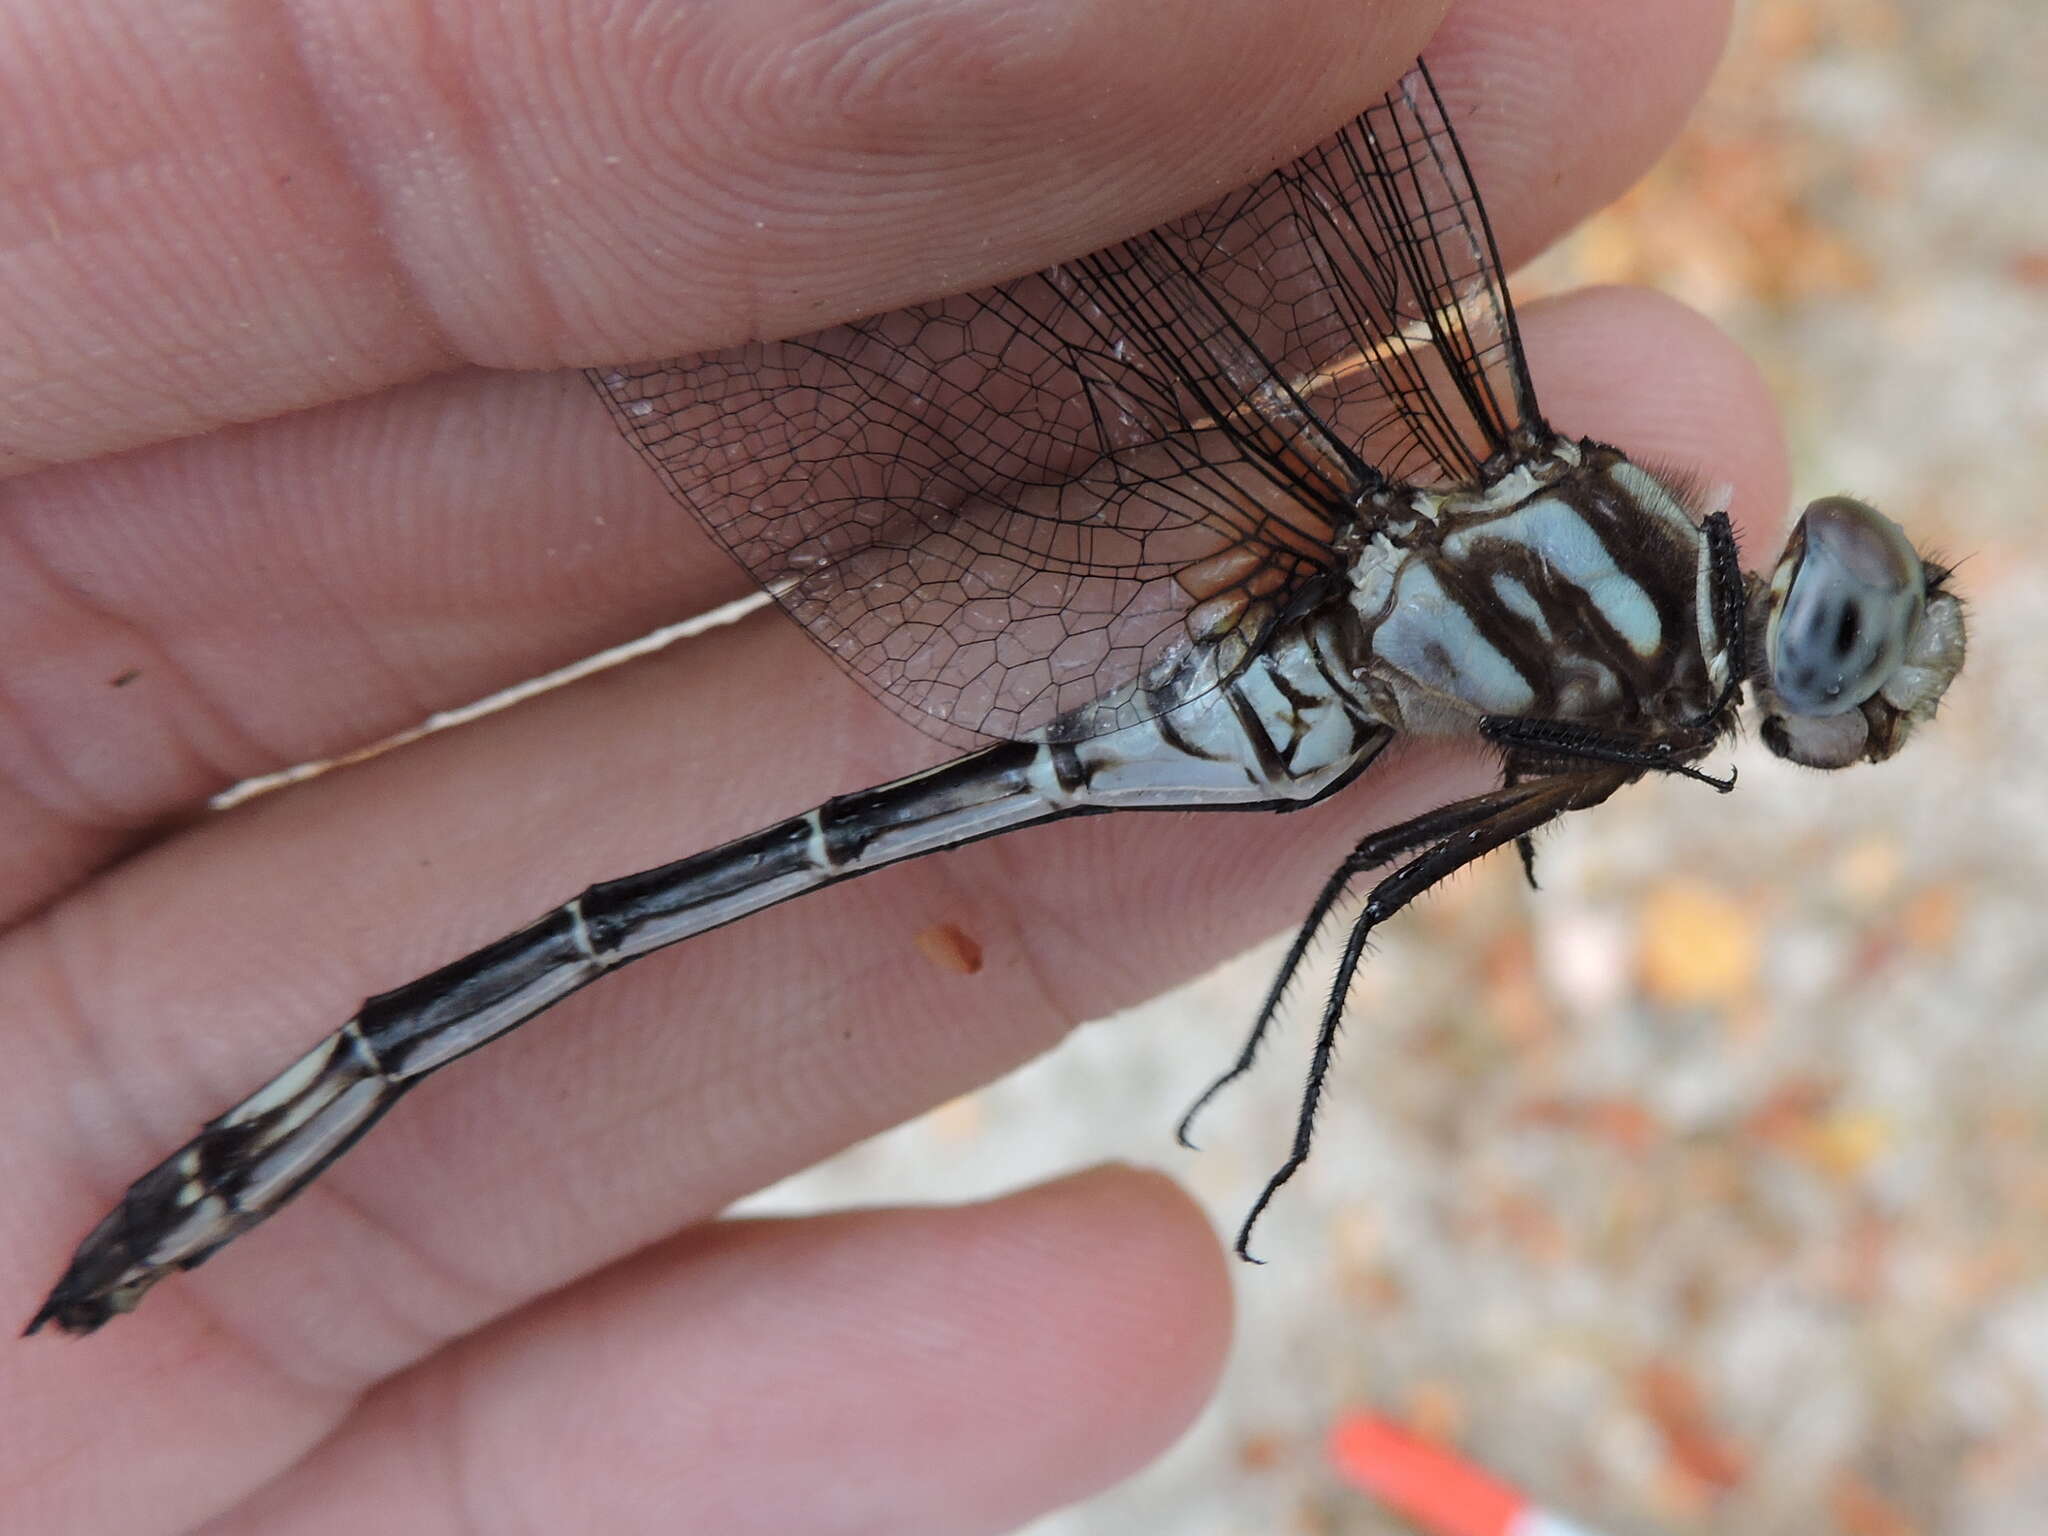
(1846, 600)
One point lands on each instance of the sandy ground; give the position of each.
(1708, 1191)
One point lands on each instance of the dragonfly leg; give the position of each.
(1377, 848)
(1461, 833)
(1318, 912)
(1575, 741)
(1525, 845)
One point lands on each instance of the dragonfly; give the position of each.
(1205, 520)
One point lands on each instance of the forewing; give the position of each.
(1376, 288)
(997, 508)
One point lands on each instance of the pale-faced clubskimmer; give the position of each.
(1201, 521)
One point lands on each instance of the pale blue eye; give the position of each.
(1849, 611)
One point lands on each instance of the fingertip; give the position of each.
(943, 1370)
(1168, 1316)
(1638, 369)
(1561, 108)
(1109, 1297)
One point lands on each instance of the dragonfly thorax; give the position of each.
(1577, 588)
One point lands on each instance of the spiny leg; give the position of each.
(1525, 845)
(1375, 849)
(1489, 821)
(1318, 912)
(1574, 741)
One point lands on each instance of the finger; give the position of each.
(209, 610)
(180, 618)
(367, 193)
(1681, 400)
(174, 984)
(343, 195)
(1560, 109)
(948, 1371)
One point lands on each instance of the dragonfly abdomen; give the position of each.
(1233, 744)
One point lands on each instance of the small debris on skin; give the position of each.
(950, 948)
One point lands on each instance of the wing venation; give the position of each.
(996, 508)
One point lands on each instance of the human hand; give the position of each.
(348, 223)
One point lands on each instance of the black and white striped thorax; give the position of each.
(1201, 521)
(1579, 587)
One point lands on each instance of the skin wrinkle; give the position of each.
(111, 262)
(52, 984)
(63, 825)
(87, 815)
(215, 1330)
(478, 1499)
(457, 421)
(797, 156)
(339, 1380)
(411, 684)
(990, 899)
(98, 822)
(783, 1072)
(1041, 931)
(435, 64)
(876, 83)
(398, 1270)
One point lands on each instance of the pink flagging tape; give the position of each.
(1441, 1492)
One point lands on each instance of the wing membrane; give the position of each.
(998, 507)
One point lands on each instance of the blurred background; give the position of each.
(1707, 1192)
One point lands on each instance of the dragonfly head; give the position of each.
(1860, 638)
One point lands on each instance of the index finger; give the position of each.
(223, 217)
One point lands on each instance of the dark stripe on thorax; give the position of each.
(1272, 761)
(1667, 573)
(1637, 548)
(1469, 583)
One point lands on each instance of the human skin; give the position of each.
(277, 493)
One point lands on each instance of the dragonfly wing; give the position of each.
(996, 508)
(1378, 292)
